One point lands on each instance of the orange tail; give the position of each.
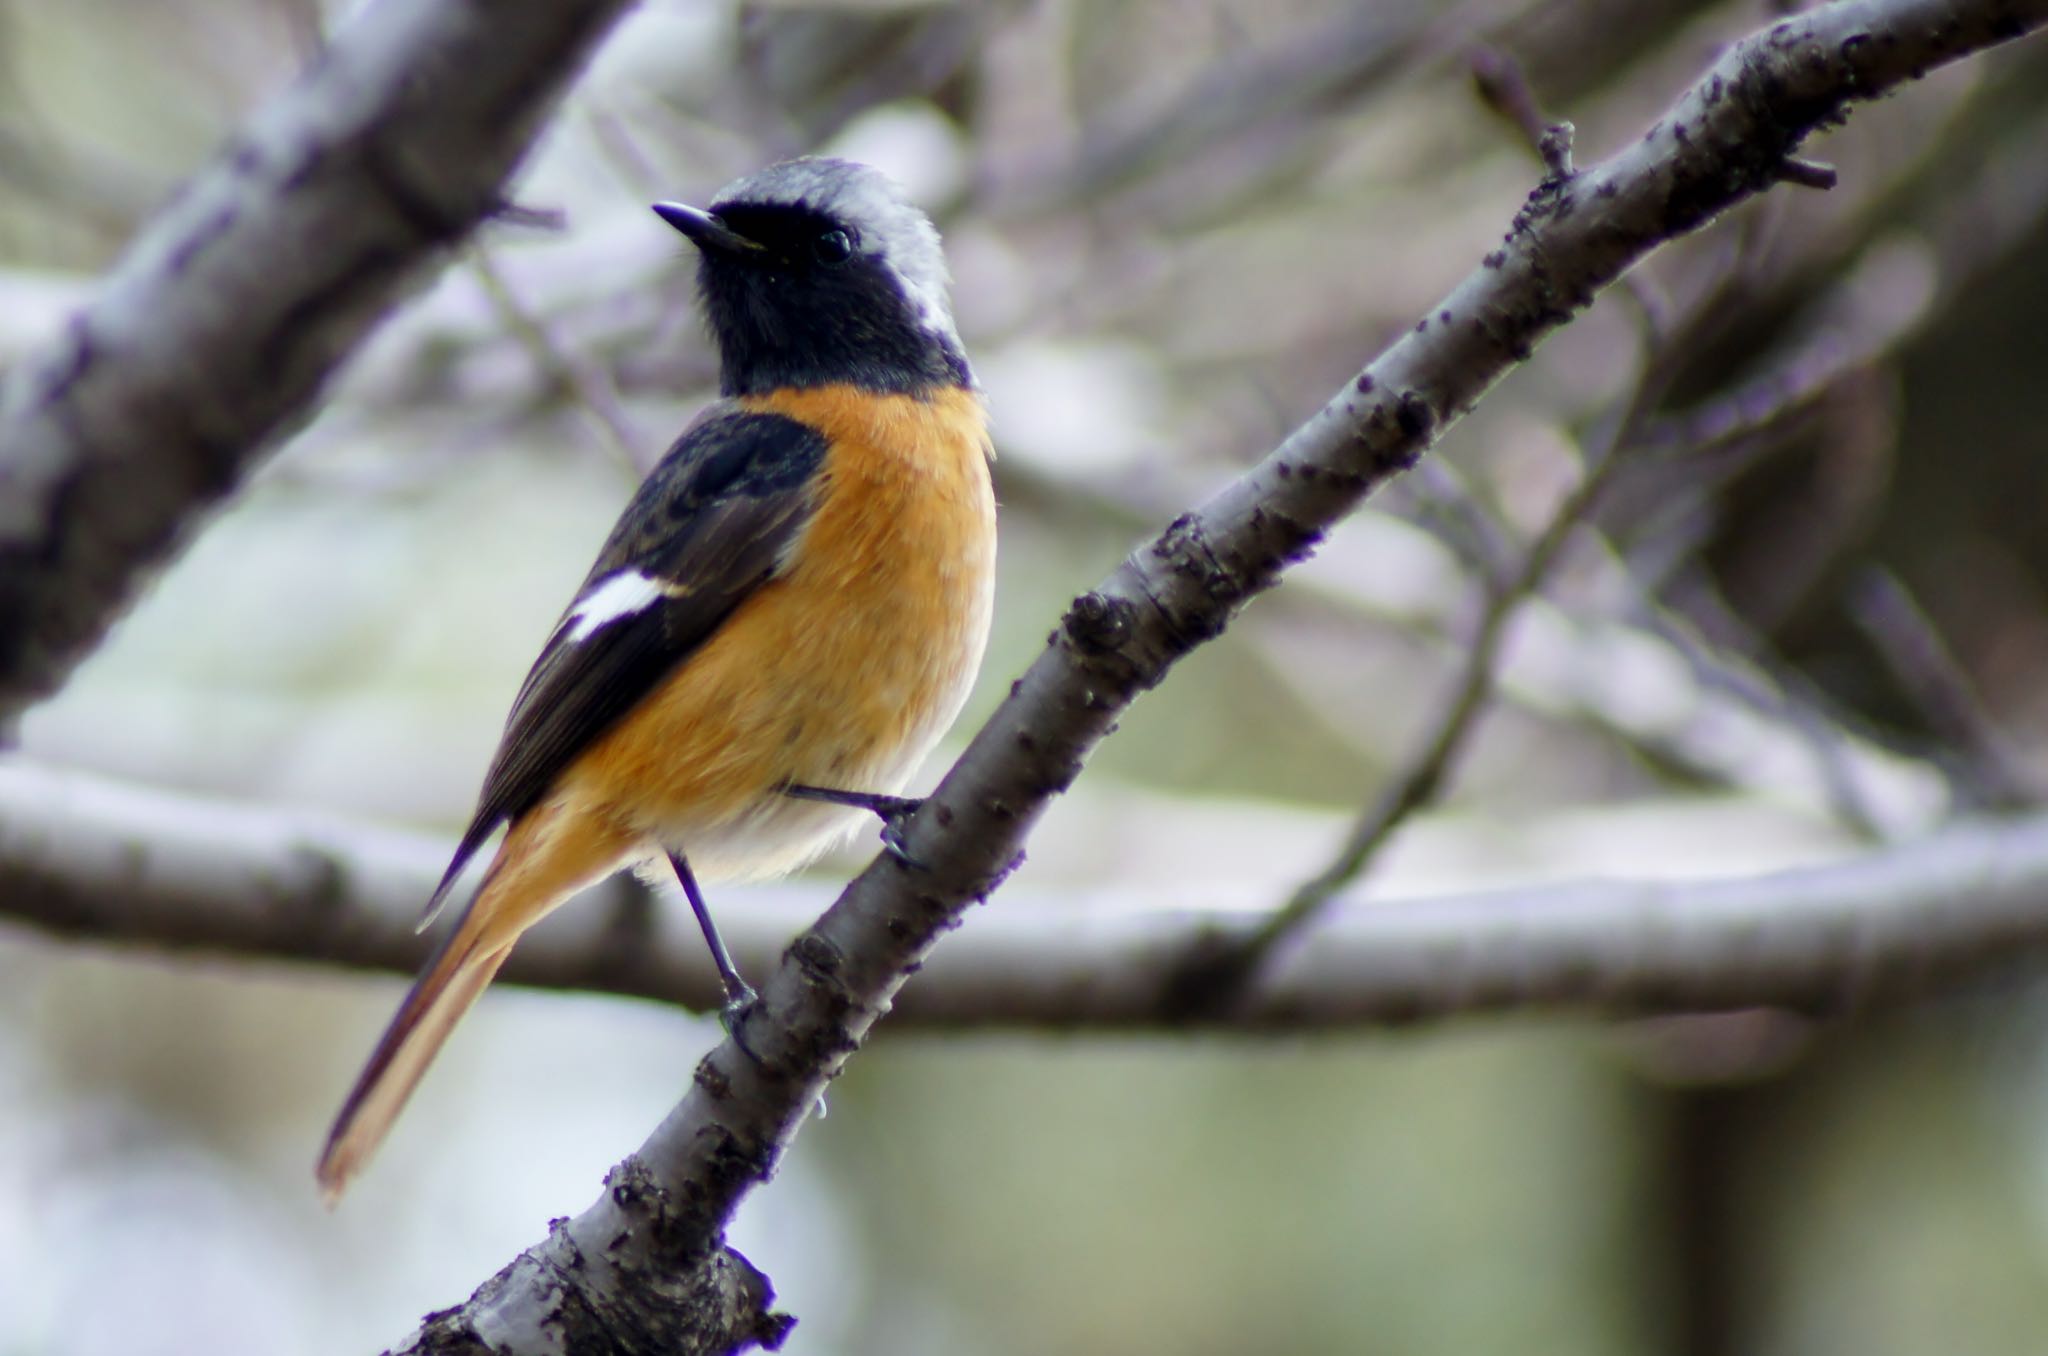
(452, 981)
(538, 866)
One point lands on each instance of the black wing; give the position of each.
(708, 526)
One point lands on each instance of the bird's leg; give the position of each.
(893, 811)
(739, 996)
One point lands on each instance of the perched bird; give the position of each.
(783, 622)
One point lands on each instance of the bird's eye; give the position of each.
(833, 247)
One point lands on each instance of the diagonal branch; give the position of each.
(216, 332)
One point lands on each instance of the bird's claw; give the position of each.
(893, 811)
(893, 824)
(739, 1001)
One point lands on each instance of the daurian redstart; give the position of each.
(784, 620)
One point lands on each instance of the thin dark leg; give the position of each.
(893, 811)
(738, 995)
(889, 808)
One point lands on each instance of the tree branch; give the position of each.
(91, 859)
(215, 333)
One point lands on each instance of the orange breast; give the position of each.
(842, 671)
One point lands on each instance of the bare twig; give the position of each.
(1807, 173)
(1877, 308)
(1892, 294)
(1449, 509)
(1920, 661)
(1745, 665)
(1503, 87)
(1252, 88)
(584, 382)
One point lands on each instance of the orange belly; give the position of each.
(842, 672)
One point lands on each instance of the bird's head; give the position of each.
(818, 271)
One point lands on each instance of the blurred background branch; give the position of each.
(222, 322)
(92, 860)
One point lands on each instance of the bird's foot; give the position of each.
(893, 811)
(894, 821)
(740, 1002)
(739, 998)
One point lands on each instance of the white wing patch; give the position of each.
(616, 597)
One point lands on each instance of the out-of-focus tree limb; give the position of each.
(1314, 70)
(216, 331)
(97, 860)
(1978, 754)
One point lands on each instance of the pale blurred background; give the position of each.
(1176, 227)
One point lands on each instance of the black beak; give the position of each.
(706, 231)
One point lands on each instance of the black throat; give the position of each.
(781, 319)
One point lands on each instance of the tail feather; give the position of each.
(445, 990)
(546, 857)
